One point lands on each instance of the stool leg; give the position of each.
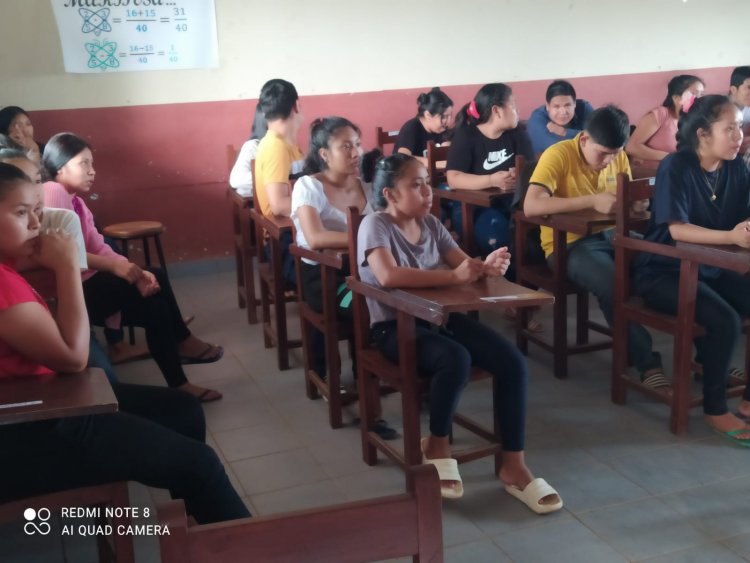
(160, 253)
(124, 247)
(146, 252)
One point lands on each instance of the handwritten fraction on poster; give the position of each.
(125, 35)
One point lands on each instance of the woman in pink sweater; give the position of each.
(113, 283)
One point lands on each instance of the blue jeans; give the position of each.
(98, 359)
(445, 355)
(491, 225)
(591, 265)
(719, 304)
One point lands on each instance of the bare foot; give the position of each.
(203, 394)
(744, 408)
(194, 347)
(727, 423)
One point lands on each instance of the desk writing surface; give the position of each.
(44, 397)
(727, 256)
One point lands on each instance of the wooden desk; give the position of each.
(581, 223)
(644, 168)
(61, 396)
(726, 256)
(434, 306)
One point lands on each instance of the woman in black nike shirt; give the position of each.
(483, 155)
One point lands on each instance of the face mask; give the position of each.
(688, 99)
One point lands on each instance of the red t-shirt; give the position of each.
(13, 291)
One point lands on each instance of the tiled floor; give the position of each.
(632, 490)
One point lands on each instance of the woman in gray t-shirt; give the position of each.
(405, 246)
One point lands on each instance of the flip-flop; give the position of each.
(206, 396)
(656, 380)
(202, 358)
(447, 469)
(533, 493)
(731, 435)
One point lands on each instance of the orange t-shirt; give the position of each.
(15, 290)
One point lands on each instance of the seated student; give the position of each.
(703, 196)
(114, 284)
(63, 219)
(156, 438)
(483, 155)
(434, 114)
(16, 124)
(405, 246)
(655, 136)
(739, 91)
(279, 159)
(562, 117)
(241, 177)
(319, 203)
(581, 173)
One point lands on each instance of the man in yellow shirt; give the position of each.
(278, 156)
(581, 173)
(279, 159)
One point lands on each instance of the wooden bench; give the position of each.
(371, 530)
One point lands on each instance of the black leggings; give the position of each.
(159, 315)
(446, 355)
(157, 439)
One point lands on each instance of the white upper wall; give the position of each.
(333, 46)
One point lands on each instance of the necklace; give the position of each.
(711, 187)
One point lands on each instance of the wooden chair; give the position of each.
(629, 308)
(326, 322)
(274, 289)
(370, 530)
(536, 274)
(117, 548)
(436, 160)
(244, 245)
(373, 367)
(383, 138)
(143, 231)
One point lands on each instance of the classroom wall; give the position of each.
(160, 137)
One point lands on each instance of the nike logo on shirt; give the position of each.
(495, 159)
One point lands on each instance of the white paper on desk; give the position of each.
(499, 298)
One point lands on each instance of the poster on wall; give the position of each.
(130, 35)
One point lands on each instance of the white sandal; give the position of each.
(447, 469)
(532, 495)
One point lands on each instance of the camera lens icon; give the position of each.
(31, 526)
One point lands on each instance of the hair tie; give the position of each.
(472, 110)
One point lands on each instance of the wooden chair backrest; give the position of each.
(409, 524)
(359, 304)
(628, 192)
(436, 155)
(384, 137)
(232, 153)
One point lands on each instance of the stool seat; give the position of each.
(133, 229)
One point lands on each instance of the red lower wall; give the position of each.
(168, 162)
